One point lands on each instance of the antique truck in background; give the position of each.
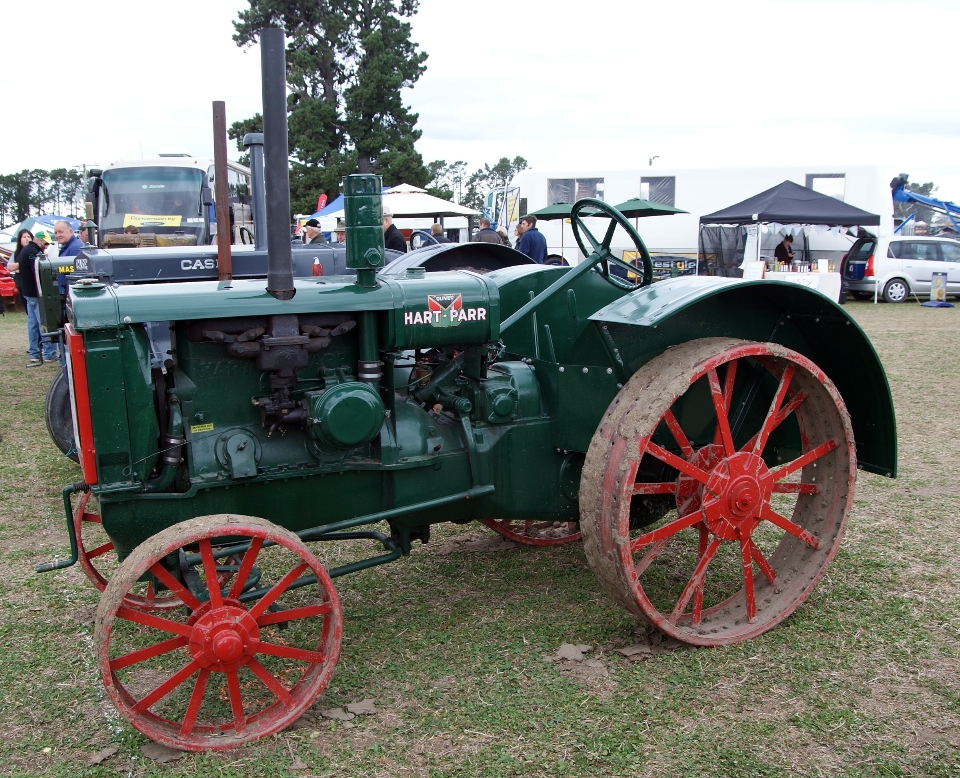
(703, 434)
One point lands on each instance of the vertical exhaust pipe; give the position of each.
(222, 192)
(253, 143)
(276, 153)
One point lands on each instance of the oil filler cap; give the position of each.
(345, 416)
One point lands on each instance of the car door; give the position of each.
(951, 261)
(921, 259)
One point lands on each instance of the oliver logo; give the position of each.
(445, 310)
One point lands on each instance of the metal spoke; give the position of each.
(698, 591)
(746, 557)
(802, 461)
(788, 526)
(594, 244)
(669, 487)
(762, 562)
(651, 554)
(210, 570)
(770, 421)
(167, 686)
(699, 574)
(666, 531)
(149, 620)
(674, 426)
(196, 698)
(792, 488)
(289, 652)
(271, 683)
(608, 236)
(276, 590)
(246, 566)
(677, 463)
(163, 647)
(792, 404)
(723, 423)
(294, 613)
(100, 550)
(175, 586)
(236, 701)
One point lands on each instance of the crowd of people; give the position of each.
(29, 247)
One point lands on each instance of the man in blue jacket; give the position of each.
(532, 243)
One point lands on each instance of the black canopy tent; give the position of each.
(723, 233)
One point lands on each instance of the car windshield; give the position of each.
(152, 197)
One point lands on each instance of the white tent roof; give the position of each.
(406, 201)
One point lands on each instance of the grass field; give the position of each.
(863, 680)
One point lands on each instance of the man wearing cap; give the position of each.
(392, 237)
(31, 296)
(312, 229)
(341, 232)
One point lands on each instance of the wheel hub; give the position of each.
(735, 496)
(224, 638)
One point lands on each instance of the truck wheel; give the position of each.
(535, 533)
(58, 415)
(896, 290)
(218, 673)
(763, 452)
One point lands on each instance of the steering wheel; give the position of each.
(600, 249)
(429, 240)
(249, 232)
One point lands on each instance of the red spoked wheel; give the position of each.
(754, 444)
(94, 552)
(535, 533)
(229, 665)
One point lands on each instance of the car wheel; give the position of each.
(896, 291)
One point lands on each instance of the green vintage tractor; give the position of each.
(703, 435)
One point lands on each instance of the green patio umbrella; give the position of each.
(555, 211)
(637, 207)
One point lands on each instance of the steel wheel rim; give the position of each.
(742, 484)
(893, 295)
(223, 647)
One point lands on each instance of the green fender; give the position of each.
(638, 327)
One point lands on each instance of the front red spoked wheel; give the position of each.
(754, 445)
(231, 664)
(99, 562)
(535, 533)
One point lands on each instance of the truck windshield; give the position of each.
(154, 199)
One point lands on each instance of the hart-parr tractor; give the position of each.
(703, 434)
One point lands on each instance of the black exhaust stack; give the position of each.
(273, 67)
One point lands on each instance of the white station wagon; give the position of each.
(901, 266)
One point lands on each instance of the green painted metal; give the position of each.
(345, 416)
(363, 209)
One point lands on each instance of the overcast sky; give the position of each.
(604, 84)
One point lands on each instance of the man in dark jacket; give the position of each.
(312, 231)
(70, 246)
(532, 243)
(392, 237)
(436, 230)
(31, 296)
(485, 234)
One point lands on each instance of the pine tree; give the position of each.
(347, 61)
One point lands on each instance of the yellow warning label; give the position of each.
(150, 220)
(195, 428)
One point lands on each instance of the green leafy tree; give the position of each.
(446, 181)
(495, 176)
(347, 61)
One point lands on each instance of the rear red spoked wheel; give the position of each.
(755, 444)
(535, 533)
(96, 557)
(227, 666)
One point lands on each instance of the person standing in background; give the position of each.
(436, 230)
(312, 231)
(485, 234)
(392, 237)
(532, 243)
(31, 296)
(24, 239)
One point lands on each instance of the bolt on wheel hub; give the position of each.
(735, 495)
